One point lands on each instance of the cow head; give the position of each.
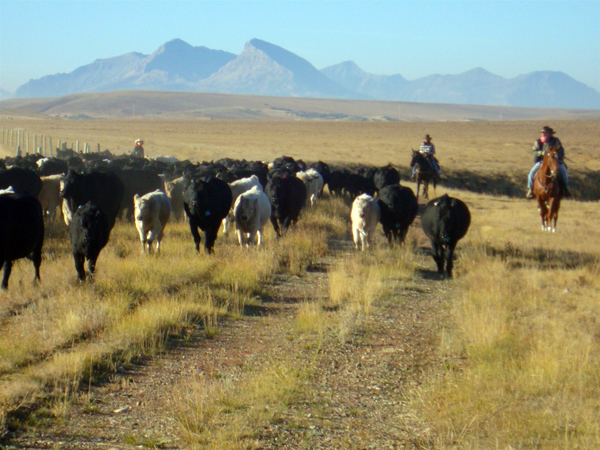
(444, 206)
(248, 208)
(68, 184)
(144, 208)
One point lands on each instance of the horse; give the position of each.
(547, 190)
(424, 174)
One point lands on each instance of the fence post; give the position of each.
(35, 143)
(18, 151)
(77, 147)
(98, 148)
(50, 145)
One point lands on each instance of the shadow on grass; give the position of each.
(542, 258)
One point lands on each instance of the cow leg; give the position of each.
(195, 234)
(7, 269)
(389, 236)
(355, 237)
(275, 225)
(240, 237)
(438, 256)
(210, 236)
(36, 258)
(79, 262)
(260, 235)
(450, 258)
(93, 257)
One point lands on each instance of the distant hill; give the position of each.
(263, 68)
(174, 66)
(4, 94)
(266, 69)
(196, 105)
(474, 87)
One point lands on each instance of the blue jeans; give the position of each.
(561, 168)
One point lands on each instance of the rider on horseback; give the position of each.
(427, 149)
(545, 142)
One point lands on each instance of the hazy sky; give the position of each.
(411, 38)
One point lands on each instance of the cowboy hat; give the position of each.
(139, 141)
(427, 137)
(547, 129)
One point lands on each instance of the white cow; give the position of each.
(252, 211)
(314, 184)
(152, 212)
(238, 187)
(49, 195)
(365, 215)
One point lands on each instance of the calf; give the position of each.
(399, 208)
(386, 176)
(206, 203)
(174, 190)
(313, 181)
(287, 195)
(445, 221)
(365, 214)
(21, 231)
(238, 187)
(152, 212)
(88, 232)
(49, 195)
(252, 211)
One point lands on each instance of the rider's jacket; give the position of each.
(540, 148)
(427, 149)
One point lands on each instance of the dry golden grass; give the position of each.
(521, 351)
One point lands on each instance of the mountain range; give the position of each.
(263, 68)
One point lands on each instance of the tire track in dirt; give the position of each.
(356, 397)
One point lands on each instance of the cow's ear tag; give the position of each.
(436, 203)
(207, 213)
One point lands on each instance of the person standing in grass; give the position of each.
(547, 141)
(138, 150)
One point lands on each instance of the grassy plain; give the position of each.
(521, 353)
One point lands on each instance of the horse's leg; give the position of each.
(543, 212)
(554, 207)
(418, 186)
(425, 189)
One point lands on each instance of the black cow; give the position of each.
(52, 166)
(287, 194)
(445, 221)
(88, 232)
(21, 231)
(103, 189)
(386, 176)
(137, 182)
(21, 180)
(399, 208)
(206, 203)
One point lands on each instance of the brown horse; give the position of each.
(547, 190)
(424, 174)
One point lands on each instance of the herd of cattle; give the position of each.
(93, 190)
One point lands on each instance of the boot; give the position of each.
(529, 194)
(566, 191)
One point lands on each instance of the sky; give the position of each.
(411, 38)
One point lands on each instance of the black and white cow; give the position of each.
(445, 221)
(103, 189)
(206, 203)
(21, 231)
(88, 232)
